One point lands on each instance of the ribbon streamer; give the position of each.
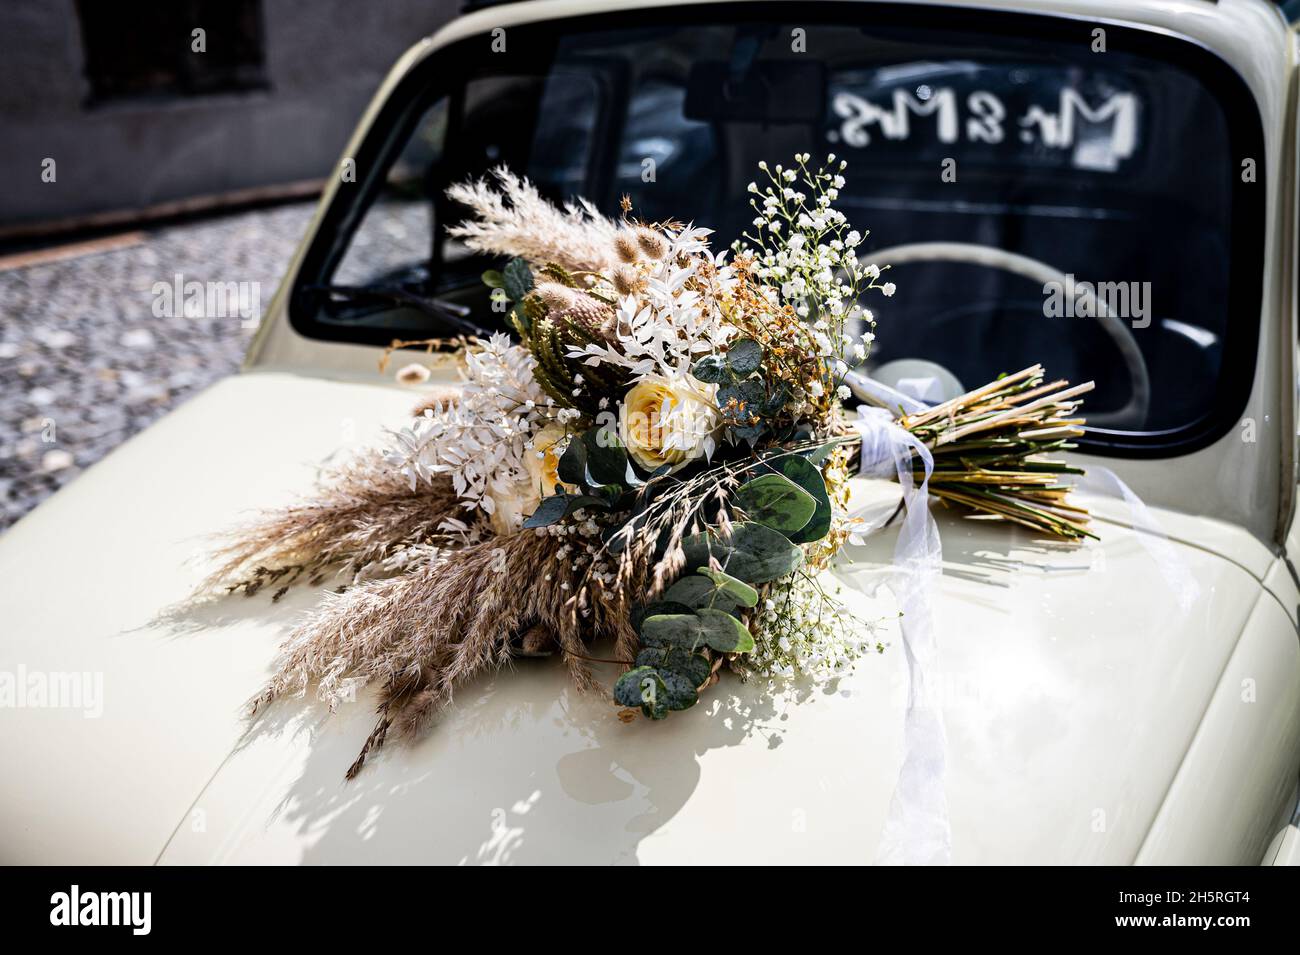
(1171, 564)
(917, 830)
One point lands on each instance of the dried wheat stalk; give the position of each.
(511, 218)
(425, 633)
(360, 515)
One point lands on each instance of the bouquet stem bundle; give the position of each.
(990, 450)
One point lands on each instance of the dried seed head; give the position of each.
(554, 296)
(652, 243)
(413, 374)
(626, 246)
(627, 280)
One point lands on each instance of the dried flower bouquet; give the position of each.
(659, 462)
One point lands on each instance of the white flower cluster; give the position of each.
(802, 631)
(664, 325)
(483, 440)
(805, 251)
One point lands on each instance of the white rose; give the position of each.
(668, 421)
(508, 503)
(511, 501)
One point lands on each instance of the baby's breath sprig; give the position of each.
(805, 252)
(801, 629)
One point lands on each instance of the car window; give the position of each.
(395, 237)
(1054, 204)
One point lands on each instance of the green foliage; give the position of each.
(775, 501)
(700, 614)
(572, 468)
(606, 457)
(516, 279)
(807, 476)
(656, 607)
(643, 687)
(554, 509)
(755, 554)
(694, 666)
(711, 369)
(750, 403)
(596, 463)
(695, 591)
(744, 357)
(737, 590)
(703, 628)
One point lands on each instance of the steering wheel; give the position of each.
(975, 254)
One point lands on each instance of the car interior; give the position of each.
(994, 144)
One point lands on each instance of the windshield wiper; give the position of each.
(450, 312)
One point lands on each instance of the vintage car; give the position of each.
(1134, 699)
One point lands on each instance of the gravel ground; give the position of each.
(84, 362)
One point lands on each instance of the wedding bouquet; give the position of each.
(659, 463)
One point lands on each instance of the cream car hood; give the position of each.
(1071, 685)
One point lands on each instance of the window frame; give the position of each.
(449, 67)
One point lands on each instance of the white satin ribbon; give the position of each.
(1169, 562)
(917, 831)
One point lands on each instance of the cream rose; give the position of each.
(513, 501)
(543, 459)
(668, 421)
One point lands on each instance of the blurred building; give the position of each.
(117, 110)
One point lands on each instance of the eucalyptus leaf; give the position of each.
(644, 687)
(818, 455)
(723, 632)
(679, 692)
(744, 357)
(550, 511)
(773, 403)
(694, 666)
(775, 501)
(809, 477)
(740, 591)
(559, 506)
(755, 554)
(493, 279)
(704, 628)
(754, 393)
(671, 630)
(656, 608)
(630, 478)
(696, 591)
(711, 369)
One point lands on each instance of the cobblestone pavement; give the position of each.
(85, 363)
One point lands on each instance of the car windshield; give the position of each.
(1038, 199)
